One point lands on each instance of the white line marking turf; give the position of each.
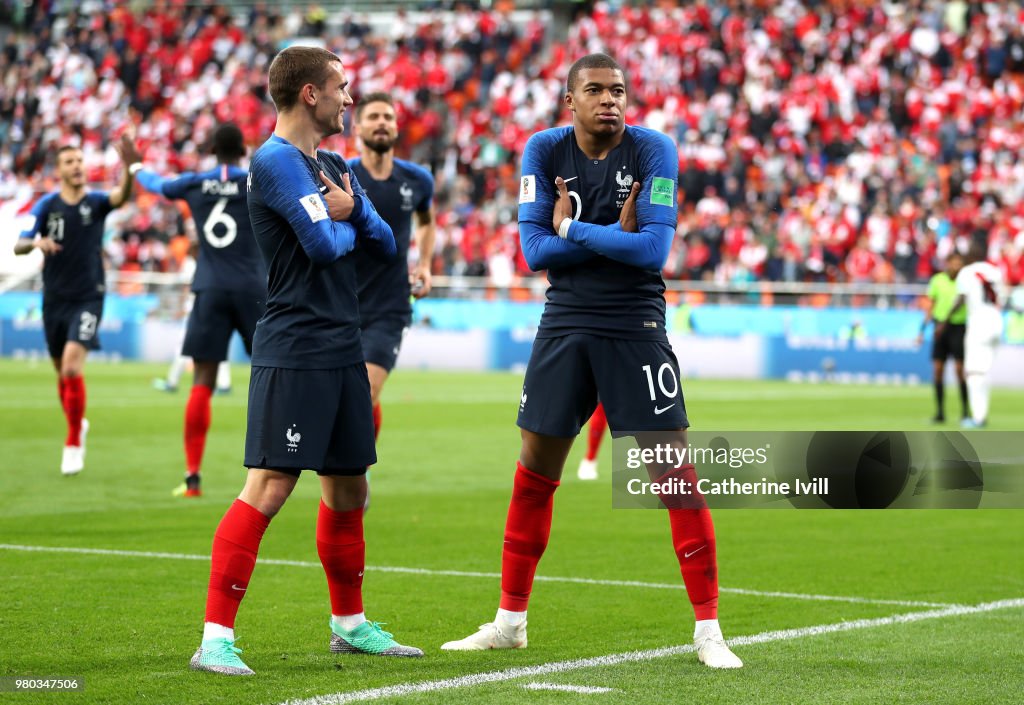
(581, 689)
(393, 691)
(475, 574)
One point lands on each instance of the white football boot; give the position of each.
(712, 650)
(493, 635)
(73, 460)
(587, 469)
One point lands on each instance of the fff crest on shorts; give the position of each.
(293, 437)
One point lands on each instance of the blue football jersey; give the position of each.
(228, 256)
(76, 272)
(602, 280)
(312, 317)
(384, 285)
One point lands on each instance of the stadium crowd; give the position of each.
(818, 141)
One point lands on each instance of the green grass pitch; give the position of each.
(128, 624)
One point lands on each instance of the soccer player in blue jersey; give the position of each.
(67, 227)
(230, 282)
(401, 191)
(597, 209)
(309, 396)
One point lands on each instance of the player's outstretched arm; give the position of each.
(166, 186)
(132, 161)
(287, 187)
(29, 239)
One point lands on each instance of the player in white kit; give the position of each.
(979, 287)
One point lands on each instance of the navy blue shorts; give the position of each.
(382, 339)
(72, 322)
(636, 380)
(318, 420)
(216, 314)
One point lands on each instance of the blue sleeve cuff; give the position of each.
(357, 210)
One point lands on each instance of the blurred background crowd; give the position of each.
(818, 141)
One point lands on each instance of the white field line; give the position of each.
(475, 679)
(475, 574)
(581, 689)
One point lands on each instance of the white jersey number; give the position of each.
(219, 216)
(577, 205)
(670, 393)
(55, 229)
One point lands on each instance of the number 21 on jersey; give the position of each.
(55, 227)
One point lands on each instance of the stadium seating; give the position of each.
(802, 126)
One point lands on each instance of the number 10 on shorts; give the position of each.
(668, 383)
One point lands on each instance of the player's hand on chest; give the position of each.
(627, 216)
(598, 190)
(340, 200)
(597, 198)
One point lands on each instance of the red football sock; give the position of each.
(526, 536)
(74, 408)
(235, 545)
(595, 432)
(377, 420)
(693, 537)
(197, 423)
(62, 390)
(342, 550)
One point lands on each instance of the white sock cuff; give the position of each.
(348, 622)
(217, 631)
(513, 619)
(706, 625)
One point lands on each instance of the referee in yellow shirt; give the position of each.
(949, 341)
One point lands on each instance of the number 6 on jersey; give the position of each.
(220, 216)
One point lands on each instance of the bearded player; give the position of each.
(402, 193)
